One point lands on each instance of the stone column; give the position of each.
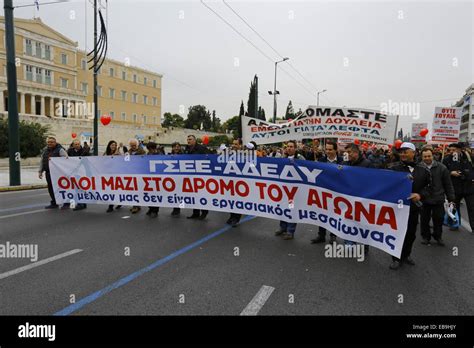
(2, 102)
(52, 109)
(33, 105)
(22, 103)
(65, 106)
(43, 112)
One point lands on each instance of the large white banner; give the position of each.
(324, 122)
(374, 213)
(446, 125)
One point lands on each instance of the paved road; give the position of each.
(175, 260)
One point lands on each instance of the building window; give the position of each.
(111, 93)
(154, 83)
(64, 82)
(135, 118)
(135, 79)
(124, 95)
(99, 91)
(135, 97)
(38, 50)
(29, 73)
(145, 81)
(154, 119)
(47, 77)
(111, 70)
(83, 64)
(144, 119)
(39, 75)
(112, 115)
(145, 99)
(124, 75)
(155, 101)
(124, 116)
(85, 87)
(64, 58)
(29, 47)
(47, 52)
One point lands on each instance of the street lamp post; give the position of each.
(324, 90)
(275, 92)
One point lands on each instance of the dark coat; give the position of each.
(441, 184)
(197, 149)
(57, 151)
(421, 177)
(361, 162)
(71, 152)
(462, 184)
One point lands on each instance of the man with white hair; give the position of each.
(134, 149)
(77, 150)
(421, 178)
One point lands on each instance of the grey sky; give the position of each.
(407, 59)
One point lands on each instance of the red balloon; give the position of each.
(357, 141)
(390, 146)
(74, 135)
(398, 143)
(423, 132)
(205, 139)
(105, 119)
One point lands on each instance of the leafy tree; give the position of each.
(172, 120)
(216, 122)
(261, 113)
(32, 138)
(252, 104)
(218, 140)
(290, 113)
(198, 117)
(233, 125)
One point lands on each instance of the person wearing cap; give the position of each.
(459, 164)
(421, 186)
(287, 229)
(433, 205)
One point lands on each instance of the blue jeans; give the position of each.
(289, 227)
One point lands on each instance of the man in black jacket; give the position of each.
(330, 157)
(53, 149)
(433, 205)
(459, 164)
(193, 148)
(420, 190)
(76, 150)
(355, 159)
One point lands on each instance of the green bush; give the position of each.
(32, 138)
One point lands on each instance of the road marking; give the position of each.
(24, 213)
(127, 279)
(126, 217)
(258, 301)
(39, 263)
(22, 207)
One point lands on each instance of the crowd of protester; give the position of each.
(439, 174)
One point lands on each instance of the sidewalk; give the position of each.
(29, 179)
